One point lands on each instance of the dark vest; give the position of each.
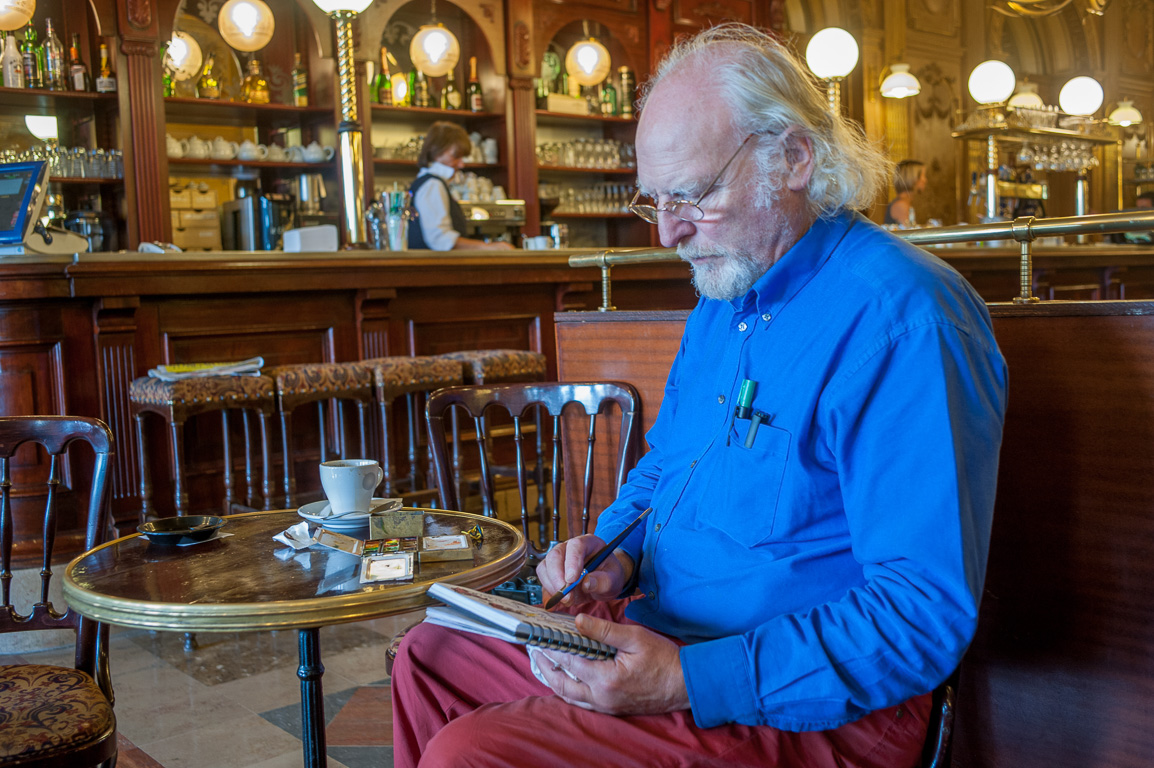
(456, 215)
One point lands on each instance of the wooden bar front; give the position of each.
(1059, 675)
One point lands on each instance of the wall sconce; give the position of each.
(43, 127)
(246, 25)
(1026, 97)
(1081, 96)
(587, 62)
(831, 55)
(14, 14)
(184, 56)
(434, 50)
(349, 132)
(992, 82)
(901, 83)
(1125, 114)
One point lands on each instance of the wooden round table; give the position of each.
(249, 582)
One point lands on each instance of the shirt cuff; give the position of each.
(719, 683)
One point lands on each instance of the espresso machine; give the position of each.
(496, 220)
(256, 222)
(310, 194)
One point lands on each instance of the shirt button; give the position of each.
(767, 317)
(720, 399)
(693, 464)
(657, 527)
(741, 326)
(651, 595)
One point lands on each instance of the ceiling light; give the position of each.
(1081, 96)
(901, 83)
(1125, 114)
(587, 62)
(14, 14)
(1026, 97)
(434, 50)
(831, 53)
(246, 25)
(991, 82)
(184, 56)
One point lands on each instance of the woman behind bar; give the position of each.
(440, 220)
(909, 179)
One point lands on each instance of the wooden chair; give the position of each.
(54, 716)
(940, 730)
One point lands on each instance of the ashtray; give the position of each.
(171, 530)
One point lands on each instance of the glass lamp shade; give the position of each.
(901, 83)
(333, 6)
(587, 62)
(14, 14)
(1026, 98)
(832, 52)
(1125, 114)
(43, 127)
(1081, 96)
(184, 56)
(434, 50)
(992, 82)
(246, 25)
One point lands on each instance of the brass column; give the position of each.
(349, 135)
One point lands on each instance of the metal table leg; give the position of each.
(312, 700)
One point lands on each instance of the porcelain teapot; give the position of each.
(175, 147)
(296, 153)
(277, 153)
(222, 149)
(315, 153)
(198, 148)
(252, 151)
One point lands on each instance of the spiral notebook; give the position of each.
(484, 614)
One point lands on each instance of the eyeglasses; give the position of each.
(683, 209)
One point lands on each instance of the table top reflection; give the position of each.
(248, 581)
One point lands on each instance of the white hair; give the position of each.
(769, 91)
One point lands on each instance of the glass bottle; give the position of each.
(625, 94)
(608, 99)
(54, 76)
(254, 89)
(421, 94)
(451, 97)
(300, 83)
(106, 83)
(78, 76)
(473, 94)
(411, 93)
(30, 58)
(383, 85)
(208, 87)
(13, 63)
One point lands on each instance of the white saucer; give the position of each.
(316, 513)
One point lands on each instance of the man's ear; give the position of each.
(798, 160)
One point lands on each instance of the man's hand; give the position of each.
(564, 564)
(644, 678)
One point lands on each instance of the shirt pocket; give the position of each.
(742, 497)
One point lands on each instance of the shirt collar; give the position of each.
(781, 282)
(441, 170)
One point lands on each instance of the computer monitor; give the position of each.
(22, 192)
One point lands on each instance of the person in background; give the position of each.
(909, 180)
(440, 221)
(810, 569)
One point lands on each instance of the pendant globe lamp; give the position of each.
(434, 49)
(246, 25)
(349, 131)
(14, 14)
(831, 55)
(587, 62)
(1081, 96)
(183, 56)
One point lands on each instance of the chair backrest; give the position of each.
(55, 434)
(587, 401)
(940, 730)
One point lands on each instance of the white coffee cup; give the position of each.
(349, 483)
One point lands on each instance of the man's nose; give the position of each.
(671, 229)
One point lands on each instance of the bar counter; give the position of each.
(75, 331)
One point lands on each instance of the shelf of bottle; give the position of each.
(613, 215)
(434, 112)
(210, 161)
(384, 162)
(545, 116)
(178, 109)
(74, 180)
(579, 170)
(42, 97)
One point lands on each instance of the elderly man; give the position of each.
(811, 568)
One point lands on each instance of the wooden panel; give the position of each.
(699, 14)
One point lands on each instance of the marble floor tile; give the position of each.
(294, 759)
(366, 720)
(233, 744)
(154, 703)
(278, 687)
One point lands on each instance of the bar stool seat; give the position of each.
(500, 366)
(178, 401)
(298, 385)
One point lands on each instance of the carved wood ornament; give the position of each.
(140, 13)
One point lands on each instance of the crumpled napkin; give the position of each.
(296, 536)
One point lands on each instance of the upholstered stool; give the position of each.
(411, 378)
(77, 728)
(178, 401)
(320, 383)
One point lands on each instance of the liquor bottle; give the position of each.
(473, 94)
(78, 75)
(383, 85)
(13, 63)
(421, 97)
(411, 92)
(106, 83)
(208, 87)
(625, 94)
(450, 96)
(608, 99)
(54, 76)
(254, 89)
(31, 58)
(300, 83)
(167, 84)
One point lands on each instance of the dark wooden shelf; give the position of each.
(594, 171)
(563, 215)
(219, 111)
(545, 116)
(386, 162)
(39, 97)
(210, 161)
(76, 180)
(434, 112)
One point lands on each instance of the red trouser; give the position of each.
(461, 699)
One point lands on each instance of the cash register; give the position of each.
(23, 187)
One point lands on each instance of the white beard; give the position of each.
(724, 278)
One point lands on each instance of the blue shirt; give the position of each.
(835, 567)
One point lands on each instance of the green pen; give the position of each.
(745, 398)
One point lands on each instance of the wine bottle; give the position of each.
(13, 63)
(625, 94)
(208, 87)
(450, 96)
(421, 96)
(300, 82)
(473, 93)
(78, 75)
(383, 85)
(54, 76)
(411, 88)
(608, 99)
(30, 58)
(106, 83)
(254, 88)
